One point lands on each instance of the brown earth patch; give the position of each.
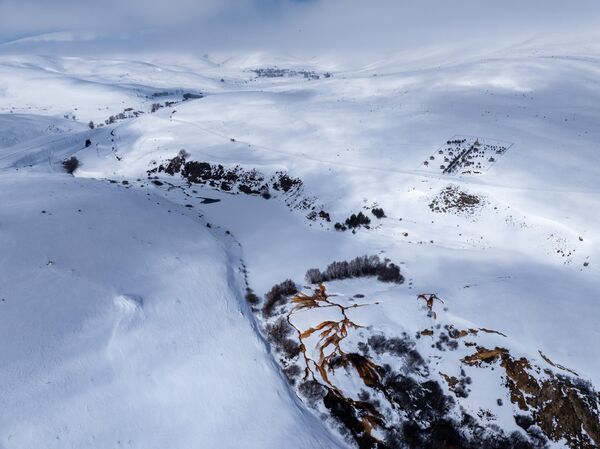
(450, 380)
(484, 355)
(429, 299)
(453, 200)
(556, 365)
(564, 408)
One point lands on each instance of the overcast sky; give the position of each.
(311, 26)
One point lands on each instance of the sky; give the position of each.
(297, 25)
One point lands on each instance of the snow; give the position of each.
(122, 324)
(125, 322)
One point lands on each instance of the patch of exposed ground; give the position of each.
(466, 156)
(456, 201)
(564, 408)
(396, 408)
(404, 404)
(557, 365)
(429, 299)
(455, 333)
(236, 180)
(276, 72)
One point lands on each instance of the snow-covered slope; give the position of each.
(486, 170)
(123, 325)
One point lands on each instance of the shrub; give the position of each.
(285, 182)
(290, 348)
(396, 346)
(278, 331)
(251, 297)
(378, 212)
(339, 227)
(71, 164)
(361, 266)
(175, 164)
(312, 390)
(264, 192)
(196, 171)
(278, 334)
(356, 220)
(245, 189)
(352, 222)
(291, 372)
(324, 215)
(313, 276)
(278, 295)
(389, 273)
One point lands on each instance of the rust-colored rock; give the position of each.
(564, 408)
(484, 355)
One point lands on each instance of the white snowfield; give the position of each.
(122, 326)
(122, 316)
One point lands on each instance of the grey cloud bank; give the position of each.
(294, 26)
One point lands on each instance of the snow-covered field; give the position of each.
(123, 316)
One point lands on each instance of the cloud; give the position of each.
(309, 26)
(21, 17)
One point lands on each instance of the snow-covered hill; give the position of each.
(128, 317)
(123, 325)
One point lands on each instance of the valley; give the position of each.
(309, 252)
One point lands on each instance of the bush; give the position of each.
(71, 164)
(251, 297)
(339, 227)
(312, 390)
(278, 295)
(362, 266)
(278, 331)
(389, 273)
(290, 348)
(324, 215)
(291, 372)
(398, 347)
(278, 334)
(378, 212)
(353, 221)
(264, 192)
(285, 182)
(314, 276)
(356, 220)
